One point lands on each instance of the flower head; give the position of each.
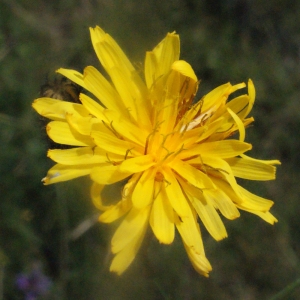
(179, 157)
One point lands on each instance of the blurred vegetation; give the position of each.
(228, 40)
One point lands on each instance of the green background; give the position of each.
(229, 40)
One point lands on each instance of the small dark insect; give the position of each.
(62, 89)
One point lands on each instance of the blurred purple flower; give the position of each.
(34, 283)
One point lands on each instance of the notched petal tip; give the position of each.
(49, 178)
(97, 28)
(49, 153)
(45, 180)
(59, 70)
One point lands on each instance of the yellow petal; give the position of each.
(112, 144)
(126, 128)
(181, 86)
(244, 198)
(220, 149)
(266, 216)
(108, 51)
(60, 173)
(185, 69)
(79, 156)
(159, 61)
(162, 217)
(174, 193)
(215, 98)
(124, 76)
(150, 68)
(96, 191)
(82, 125)
(199, 134)
(239, 124)
(239, 105)
(124, 258)
(134, 99)
(192, 175)
(92, 107)
(169, 103)
(115, 212)
(143, 192)
(137, 164)
(251, 170)
(170, 44)
(73, 76)
(206, 211)
(190, 232)
(62, 133)
(56, 109)
(222, 202)
(251, 92)
(102, 89)
(108, 174)
(198, 260)
(166, 52)
(220, 168)
(133, 224)
(254, 202)
(268, 162)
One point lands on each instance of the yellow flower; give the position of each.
(178, 157)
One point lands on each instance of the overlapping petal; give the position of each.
(162, 216)
(60, 173)
(81, 156)
(158, 62)
(62, 133)
(56, 109)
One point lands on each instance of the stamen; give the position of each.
(202, 163)
(174, 154)
(165, 158)
(112, 129)
(216, 169)
(93, 149)
(114, 163)
(155, 129)
(197, 107)
(185, 85)
(127, 152)
(158, 191)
